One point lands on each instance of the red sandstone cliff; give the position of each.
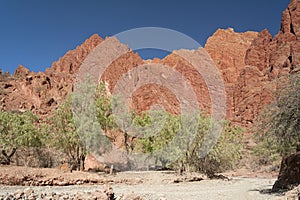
(249, 63)
(266, 60)
(228, 49)
(41, 92)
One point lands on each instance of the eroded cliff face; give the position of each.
(228, 50)
(279, 55)
(71, 61)
(249, 63)
(42, 92)
(267, 61)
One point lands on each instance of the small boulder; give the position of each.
(92, 164)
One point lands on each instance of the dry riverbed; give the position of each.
(30, 183)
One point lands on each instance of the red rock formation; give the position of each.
(119, 67)
(41, 92)
(21, 71)
(72, 60)
(249, 63)
(252, 92)
(259, 53)
(285, 46)
(193, 77)
(151, 94)
(228, 49)
(266, 60)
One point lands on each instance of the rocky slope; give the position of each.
(41, 92)
(249, 62)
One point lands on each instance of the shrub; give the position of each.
(277, 130)
(224, 155)
(185, 152)
(62, 134)
(18, 130)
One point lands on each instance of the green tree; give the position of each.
(181, 149)
(92, 115)
(225, 153)
(18, 130)
(103, 107)
(157, 134)
(119, 119)
(64, 136)
(160, 135)
(278, 126)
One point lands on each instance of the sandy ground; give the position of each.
(149, 185)
(238, 188)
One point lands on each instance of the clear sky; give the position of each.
(36, 33)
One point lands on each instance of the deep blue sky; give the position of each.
(35, 33)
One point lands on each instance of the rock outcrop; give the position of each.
(21, 71)
(72, 60)
(259, 53)
(266, 60)
(285, 46)
(228, 50)
(279, 55)
(41, 92)
(249, 63)
(226, 47)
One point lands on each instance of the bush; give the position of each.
(103, 108)
(224, 155)
(154, 142)
(62, 134)
(277, 130)
(18, 130)
(185, 153)
(170, 145)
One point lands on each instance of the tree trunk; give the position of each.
(82, 158)
(126, 141)
(8, 157)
